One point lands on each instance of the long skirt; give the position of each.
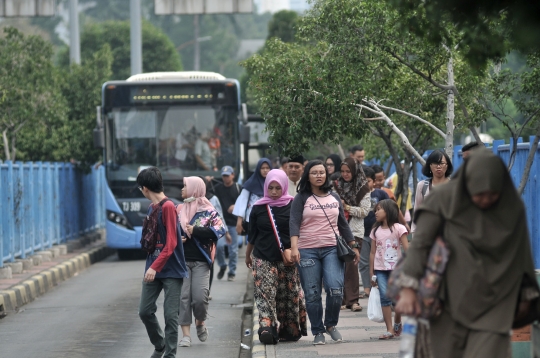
(279, 299)
(446, 338)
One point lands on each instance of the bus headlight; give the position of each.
(118, 219)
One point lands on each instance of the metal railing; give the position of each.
(44, 203)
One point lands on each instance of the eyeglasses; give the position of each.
(439, 165)
(318, 174)
(330, 165)
(140, 188)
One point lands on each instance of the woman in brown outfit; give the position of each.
(490, 272)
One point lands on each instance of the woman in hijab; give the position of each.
(333, 165)
(253, 190)
(277, 294)
(490, 274)
(353, 189)
(201, 227)
(213, 199)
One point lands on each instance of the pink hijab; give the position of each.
(278, 176)
(195, 202)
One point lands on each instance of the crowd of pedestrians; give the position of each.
(294, 217)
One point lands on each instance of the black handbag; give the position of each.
(344, 251)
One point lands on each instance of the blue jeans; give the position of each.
(316, 265)
(382, 282)
(233, 251)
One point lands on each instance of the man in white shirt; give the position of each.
(295, 169)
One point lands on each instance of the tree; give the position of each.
(29, 90)
(283, 25)
(490, 28)
(158, 52)
(344, 79)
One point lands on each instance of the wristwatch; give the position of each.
(355, 245)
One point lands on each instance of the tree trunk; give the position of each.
(405, 183)
(13, 148)
(341, 152)
(528, 164)
(513, 151)
(395, 158)
(450, 112)
(6, 145)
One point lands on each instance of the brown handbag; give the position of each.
(285, 253)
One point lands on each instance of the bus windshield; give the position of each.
(180, 140)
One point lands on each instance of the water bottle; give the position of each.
(408, 337)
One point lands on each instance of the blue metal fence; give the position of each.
(42, 204)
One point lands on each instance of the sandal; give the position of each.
(397, 329)
(185, 342)
(202, 333)
(343, 307)
(356, 307)
(387, 335)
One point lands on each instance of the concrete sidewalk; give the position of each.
(360, 339)
(48, 268)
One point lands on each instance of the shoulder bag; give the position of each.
(428, 285)
(344, 251)
(285, 253)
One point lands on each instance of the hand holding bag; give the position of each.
(285, 253)
(344, 251)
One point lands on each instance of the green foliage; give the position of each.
(489, 28)
(283, 25)
(30, 96)
(158, 52)
(350, 52)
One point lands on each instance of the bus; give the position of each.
(184, 123)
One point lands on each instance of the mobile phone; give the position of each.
(374, 278)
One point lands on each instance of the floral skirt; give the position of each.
(279, 299)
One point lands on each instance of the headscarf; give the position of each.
(490, 250)
(255, 184)
(352, 192)
(278, 176)
(336, 160)
(195, 202)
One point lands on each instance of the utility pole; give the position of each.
(74, 40)
(197, 51)
(136, 36)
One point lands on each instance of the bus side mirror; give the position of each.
(99, 133)
(244, 133)
(99, 138)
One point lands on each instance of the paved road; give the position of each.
(95, 315)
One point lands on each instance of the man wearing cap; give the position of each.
(227, 193)
(295, 169)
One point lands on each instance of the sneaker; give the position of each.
(231, 278)
(221, 272)
(334, 333)
(202, 333)
(185, 342)
(319, 339)
(157, 354)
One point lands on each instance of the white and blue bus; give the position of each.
(185, 123)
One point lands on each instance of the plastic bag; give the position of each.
(374, 309)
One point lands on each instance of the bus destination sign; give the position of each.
(171, 94)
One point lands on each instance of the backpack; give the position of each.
(150, 233)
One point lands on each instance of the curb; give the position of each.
(258, 349)
(39, 284)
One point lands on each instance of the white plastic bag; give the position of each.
(374, 310)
